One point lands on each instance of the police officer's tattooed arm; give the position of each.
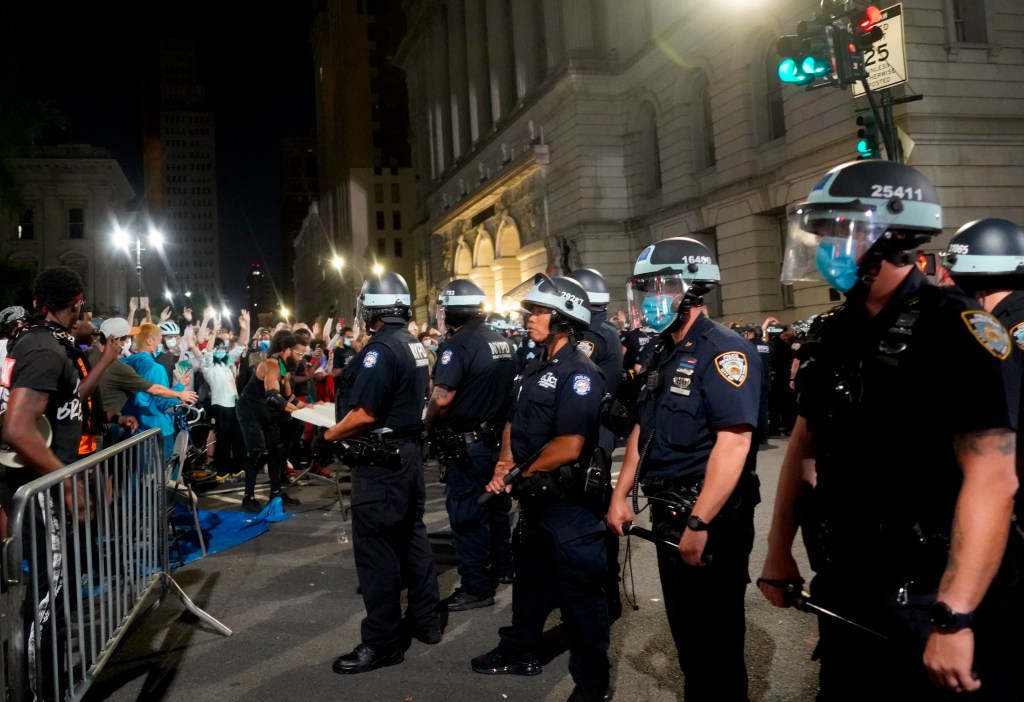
(779, 564)
(619, 510)
(978, 538)
(440, 400)
(725, 466)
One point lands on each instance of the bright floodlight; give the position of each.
(338, 262)
(226, 312)
(156, 238)
(378, 269)
(168, 295)
(284, 311)
(121, 238)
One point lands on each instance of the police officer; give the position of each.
(911, 507)
(467, 409)
(559, 548)
(634, 345)
(696, 418)
(755, 335)
(388, 493)
(600, 343)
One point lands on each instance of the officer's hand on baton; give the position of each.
(502, 479)
(779, 570)
(691, 547)
(620, 516)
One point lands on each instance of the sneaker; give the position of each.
(286, 499)
(322, 472)
(251, 505)
(231, 477)
(289, 471)
(497, 663)
(460, 601)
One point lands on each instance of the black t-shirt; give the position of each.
(885, 396)
(556, 397)
(40, 362)
(343, 360)
(636, 342)
(393, 379)
(478, 365)
(707, 382)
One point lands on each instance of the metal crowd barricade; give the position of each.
(87, 550)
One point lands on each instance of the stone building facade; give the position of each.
(549, 134)
(72, 196)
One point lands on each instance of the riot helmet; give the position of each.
(987, 254)
(459, 302)
(497, 322)
(384, 295)
(565, 297)
(593, 283)
(670, 277)
(860, 214)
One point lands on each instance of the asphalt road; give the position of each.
(290, 598)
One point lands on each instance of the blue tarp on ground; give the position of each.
(221, 530)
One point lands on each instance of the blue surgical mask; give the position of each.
(347, 343)
(837, 265)
(265, 345)
(157, 352)
(658, 312)
(219, 354)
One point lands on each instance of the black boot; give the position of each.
(364, 658)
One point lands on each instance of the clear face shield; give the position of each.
(654, 299)
(828, 243)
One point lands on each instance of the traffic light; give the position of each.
(807, 57)
(864, 25)
(867, 137)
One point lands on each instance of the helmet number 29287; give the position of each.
(899, 191)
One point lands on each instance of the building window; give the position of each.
(396, 194)
(650, 152)
(702, 124)
(382, 248)
(378, 193)
(969, 24)
(26, 226)
(76, 223)
(396, 220)
(709, 127)
(776, 113)
(398, 248)
(380, 221)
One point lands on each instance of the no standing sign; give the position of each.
(886, 60)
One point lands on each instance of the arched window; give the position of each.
(775, 113)
(650, 152)
(703, 123)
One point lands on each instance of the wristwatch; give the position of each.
(695, 523)
(946, 620)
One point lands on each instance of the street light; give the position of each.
(123, 239)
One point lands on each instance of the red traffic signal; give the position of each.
(872, 16)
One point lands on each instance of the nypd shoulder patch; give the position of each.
(446, 358)
(732, 366)
(587, 347)
(581, 384)
(989, 332)
(1017, 332)
(370, 359)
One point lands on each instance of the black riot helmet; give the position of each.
(987, 254)
(670, 277)
(565, 297)
(459, 302)
(860, 214)
(593, 283)
(384, 295)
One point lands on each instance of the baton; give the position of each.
(631, 529)
(513, 475)
(800, 599)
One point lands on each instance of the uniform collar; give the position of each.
(563, 353)
(1010, 307)
(688, 344)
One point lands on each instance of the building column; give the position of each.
(553, 35)
(476, 60)
(441, 104)
(578, 24)
(499, 55)
(458, 82)
(526, 49)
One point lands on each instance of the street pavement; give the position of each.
(290, 598)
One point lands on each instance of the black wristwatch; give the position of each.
(695, 523)
(946, 620)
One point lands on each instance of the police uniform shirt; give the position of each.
(393, 378)
(556, 397)
(600, 343)
(1010, 313)
(478, 365)
(527, 352)
(709, 381)
(884, 396)
(38, 361)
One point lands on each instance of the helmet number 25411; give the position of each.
(899, 191)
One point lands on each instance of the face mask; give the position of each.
(347, 343)
(220, 355)
(157, 352)
(837, 266)
(657, 312)
(171, 343)
(265, 345)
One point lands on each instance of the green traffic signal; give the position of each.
(807, 56)
(867, 144)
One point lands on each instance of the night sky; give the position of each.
(257, 67)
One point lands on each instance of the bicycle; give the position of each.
(194, 443)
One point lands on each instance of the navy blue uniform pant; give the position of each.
(391, 548)
(705, 606)
(560, 560)
(483, 533)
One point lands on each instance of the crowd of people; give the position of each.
(907, 512)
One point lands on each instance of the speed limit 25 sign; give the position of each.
(886, 60)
